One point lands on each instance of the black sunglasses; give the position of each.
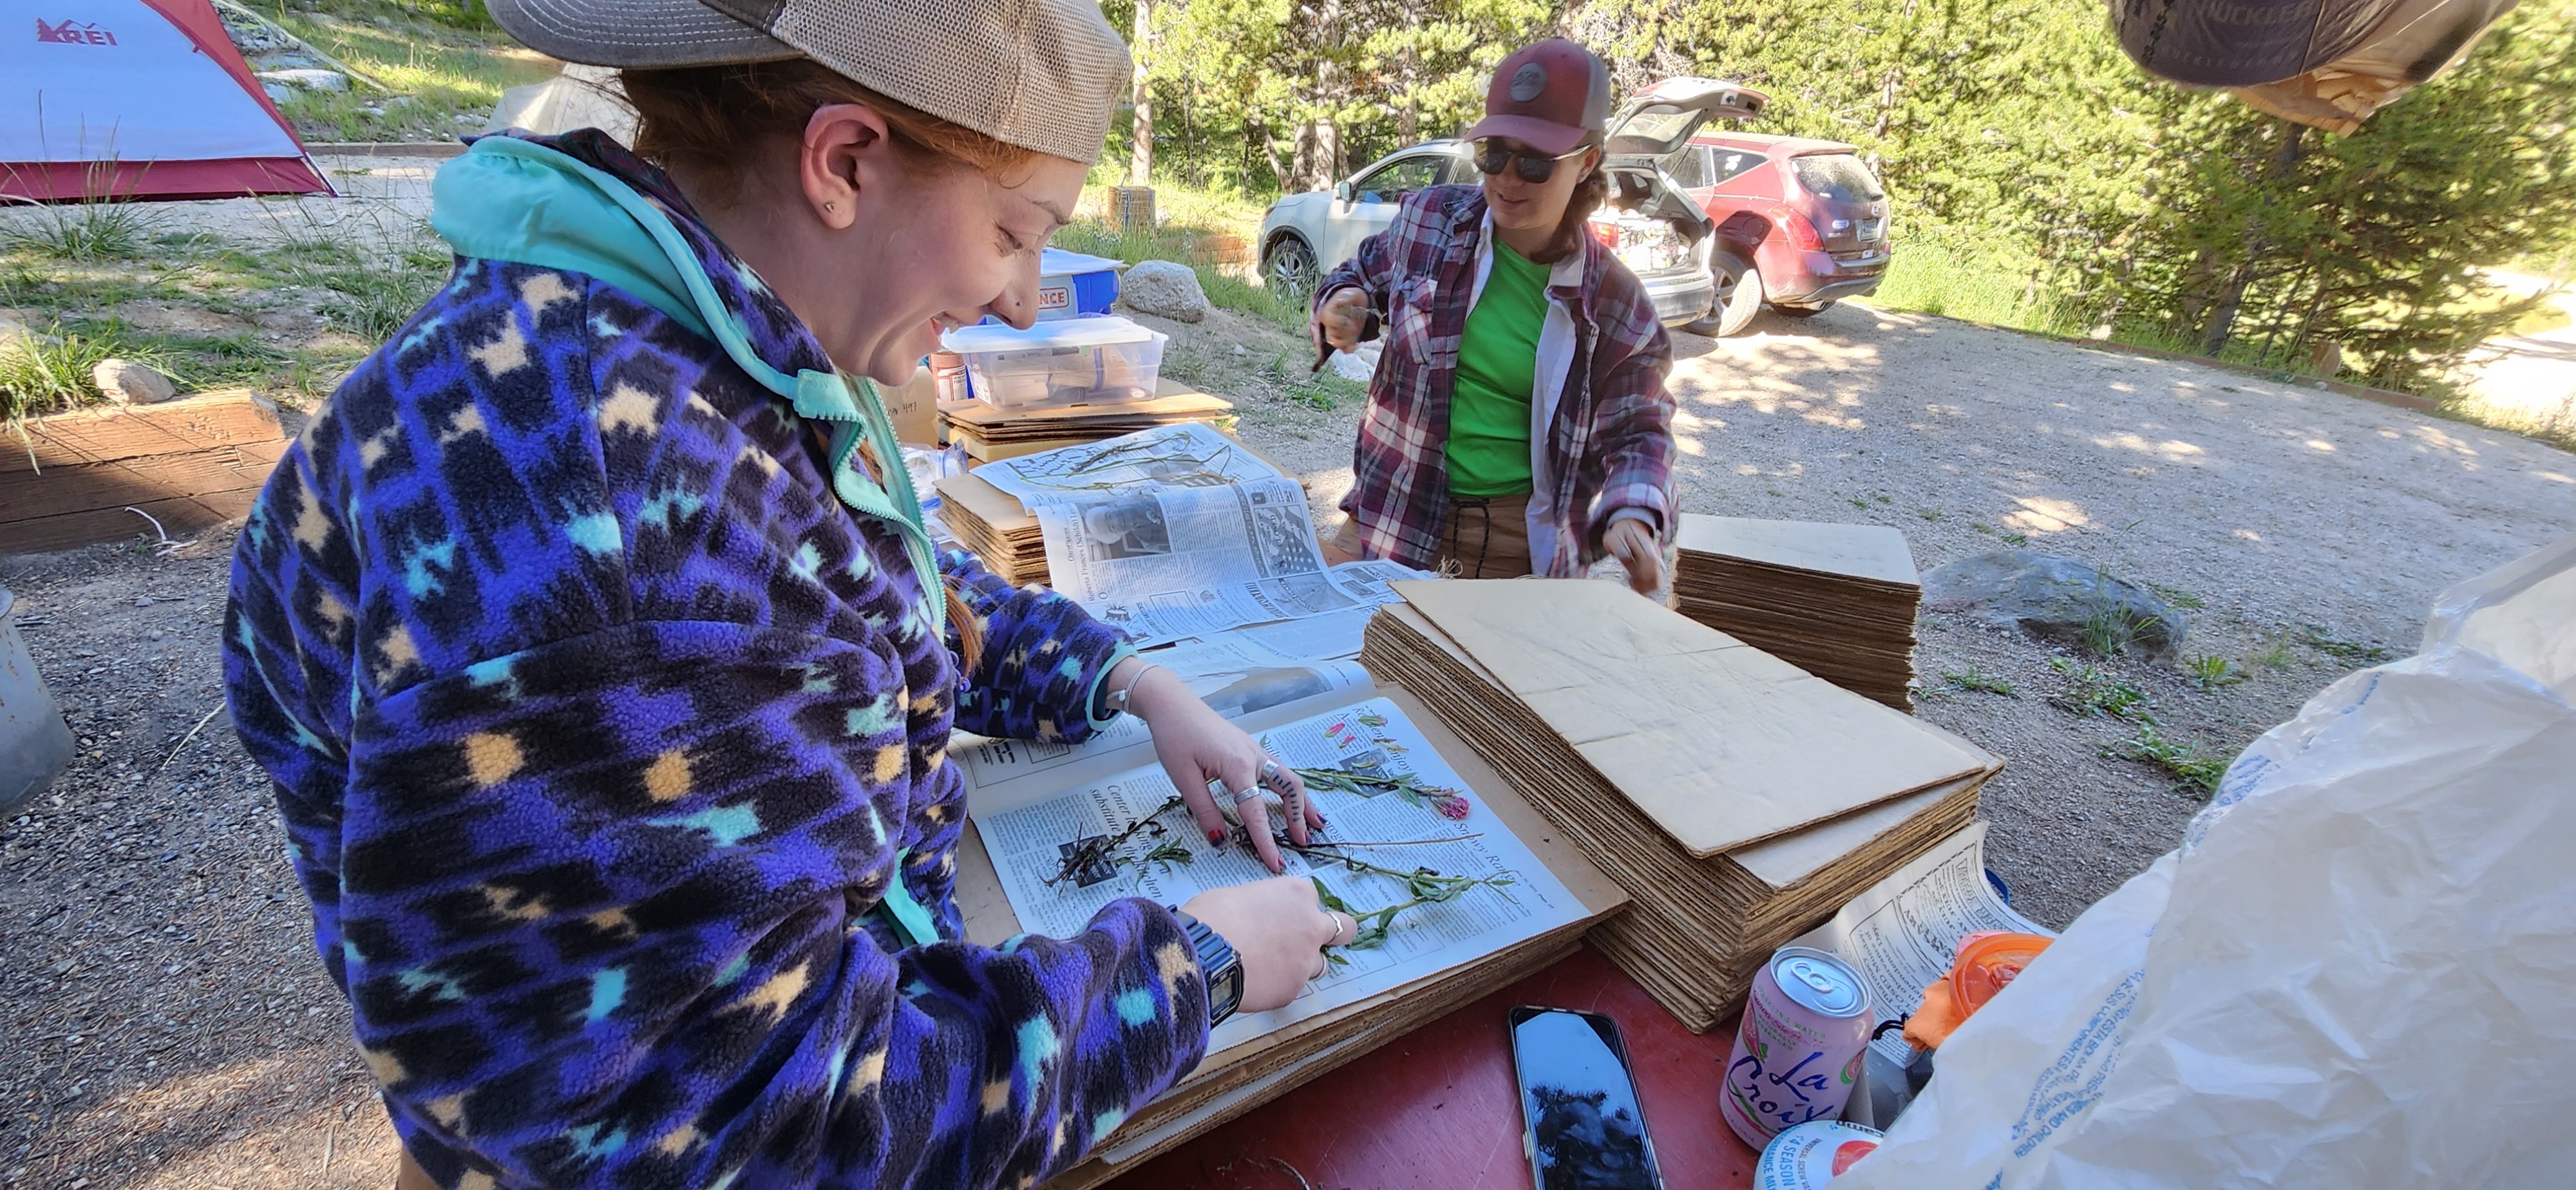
(1492, 156)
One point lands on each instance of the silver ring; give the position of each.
(1270, 770)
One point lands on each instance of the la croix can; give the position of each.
(1798, 1051)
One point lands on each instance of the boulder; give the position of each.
(2064, 600)
(129, 383)
(1163, 288)
(16, 337)
(307, 78)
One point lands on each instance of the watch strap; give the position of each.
(1218, 965)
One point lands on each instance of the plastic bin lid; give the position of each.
(1056, 262)
(1090, 330)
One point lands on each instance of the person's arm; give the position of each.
(601, 901)
(1633, 431)
(1044, 659)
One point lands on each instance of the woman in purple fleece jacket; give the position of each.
(606, 675)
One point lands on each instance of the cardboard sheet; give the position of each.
(1873, 552)
(1721, 744)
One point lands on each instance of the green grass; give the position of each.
(2212, 672)
(1999, 534)
(2178, 597)
(2090, 691)
(2353, 651)
(90, 231)
(51, 372)
(2109, 634)
(1191, 225)
(1974, 679)
(2182, 760)
(1934, 274)
(438, 70)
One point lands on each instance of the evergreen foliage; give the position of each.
(2010, 132)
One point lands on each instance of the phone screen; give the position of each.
(1585, 1130)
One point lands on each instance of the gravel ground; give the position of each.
(172, 1029)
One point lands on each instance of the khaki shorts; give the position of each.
(1482, 539)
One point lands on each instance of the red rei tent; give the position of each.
(136, 99)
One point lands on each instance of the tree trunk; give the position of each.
(1140, 154)
(1408, 117)
(2222, 317)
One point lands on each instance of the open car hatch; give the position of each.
(1662, 117)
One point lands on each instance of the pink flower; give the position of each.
(1454, 808)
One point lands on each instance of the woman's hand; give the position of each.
(1340, 319)
(1633, 543)
(1198, 746)
(1278, 930)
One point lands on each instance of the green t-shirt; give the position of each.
(1489, 406)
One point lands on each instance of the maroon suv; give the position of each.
(1792, 223)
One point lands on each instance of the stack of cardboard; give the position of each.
(1236, 1080)
(988, 434)
(1738, 800)
(994, 526)
(1837, 601)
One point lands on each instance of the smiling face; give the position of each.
(878, 247)
(1535, 207)
(941, 245)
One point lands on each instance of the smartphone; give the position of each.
(1581, 1124)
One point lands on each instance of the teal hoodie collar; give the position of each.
(515, 200)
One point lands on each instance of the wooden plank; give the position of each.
(173, 427)
(31, 495)
(177, 516)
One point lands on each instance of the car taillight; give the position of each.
(1607, 233)
(1795, 226)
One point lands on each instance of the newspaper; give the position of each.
(1237, 677)
(1182, 456)
(1028, 835)
(1904, 932)
(1166, 562)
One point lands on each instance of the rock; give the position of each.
(1163, 288)
(16, 336)
(2058, 599)
(307, 78)
(129, 383)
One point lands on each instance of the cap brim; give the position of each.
(643, 33)
(1546, 136)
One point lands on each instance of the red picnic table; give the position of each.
(1439, 1107)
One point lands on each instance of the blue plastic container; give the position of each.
(1071, 284)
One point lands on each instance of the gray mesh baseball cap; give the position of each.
(1041, 74)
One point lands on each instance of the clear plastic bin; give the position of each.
(1099, 360)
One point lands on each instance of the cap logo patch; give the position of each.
(1527, 82)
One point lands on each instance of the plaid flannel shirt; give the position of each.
(1611, 444)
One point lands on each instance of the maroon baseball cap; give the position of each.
(1553, 96)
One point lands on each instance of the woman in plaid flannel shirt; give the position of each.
(1518, 422)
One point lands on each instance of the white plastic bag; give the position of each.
(2359, 970)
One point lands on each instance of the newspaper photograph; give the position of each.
(1169, 562)
(1036, 844)
(1189, 455)
(1904, 932)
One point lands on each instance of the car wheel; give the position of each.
(1739, 297)
(1803, 311)
(1290, 269)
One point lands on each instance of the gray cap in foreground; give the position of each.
(1041, 74)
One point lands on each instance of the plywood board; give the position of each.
(126, 432)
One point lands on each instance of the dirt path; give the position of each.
(170, 1028)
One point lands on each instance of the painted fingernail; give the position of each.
(1216, 836)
